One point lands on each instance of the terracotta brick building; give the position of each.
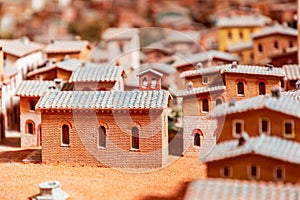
(264, 157)
(57, 50)
(111, 128)
(271, 40)
(211, 86)
(30, 119)
(292, 75)
(275, 115)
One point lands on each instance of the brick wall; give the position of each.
(83, 148)
(29, 140)
(207, 127)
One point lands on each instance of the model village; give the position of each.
(157, 107)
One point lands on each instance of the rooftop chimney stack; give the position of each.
(234, 64)
(275, 92)
(298, 85)
(199, 65)
(190, 85)
(58, 83)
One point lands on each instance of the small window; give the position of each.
(153, 83)
(237, 127)
(253, 172)
(260, 48)
(218, 101)
(205, 107)
(30, 128)
(225, 172)
(205, 79)
(229, 34)
(241, 35)
(264, 126)
(65, 135)
(197, 140)
(262, 88)
(102, 136)
(291, 44)
(240, 88)
(276, 45)
(32, 105)
(288, 128)
(135, 143)
(279, 174)
(145, 82)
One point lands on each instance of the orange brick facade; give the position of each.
(239, 168)
(83, 147)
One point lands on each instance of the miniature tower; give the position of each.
(149, 79)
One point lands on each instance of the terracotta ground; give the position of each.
(20, 181)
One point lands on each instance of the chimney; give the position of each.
(82, 64)
(58, 83)
(51, 190)
(199, 65)
(234, 64)
(190, 85)
(242, 141)
(232, 102)
(270, 67)
(298, 85)
(275, 92)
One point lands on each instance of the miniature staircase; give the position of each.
(34, 157)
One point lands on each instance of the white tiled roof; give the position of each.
(67, 46)
(20, 47)
(96, 72)
(105, 100)
(240, 46)
(182, 36)
(205, 56)
(243, 21)
(264, 145)
(295, 94)
(292, 72)
(276, 29)
(120, 33)
(200, 90)
(228, 189)
(241, 69)
(34, 88)
(283, 104)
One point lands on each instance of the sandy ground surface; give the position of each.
(20, 181)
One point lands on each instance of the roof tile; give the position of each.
(66, 46)
(34, 88)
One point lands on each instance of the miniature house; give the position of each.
(107, 128)
(30, 119)
(149, 80)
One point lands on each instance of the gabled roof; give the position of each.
(67, 65)
(95, 100)
(243, 21)
(292, 72)
(153, 71)
(240, 69)
(276, 29)
(20, 47)
(205, 56)
(66, 46)
(34, 88)
(295, 94)
(283, 104)
(218, 189)
(96, 72)
(263, 145)
(200, 90)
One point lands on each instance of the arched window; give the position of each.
(65, 135)
(262, 88)
(197, 140)
(240, 88)
(153, 83)
(32, 105)
(135, 140)
(30, 127)
(102, 136)
(145, 82)
(205, 107)
(218, 101)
